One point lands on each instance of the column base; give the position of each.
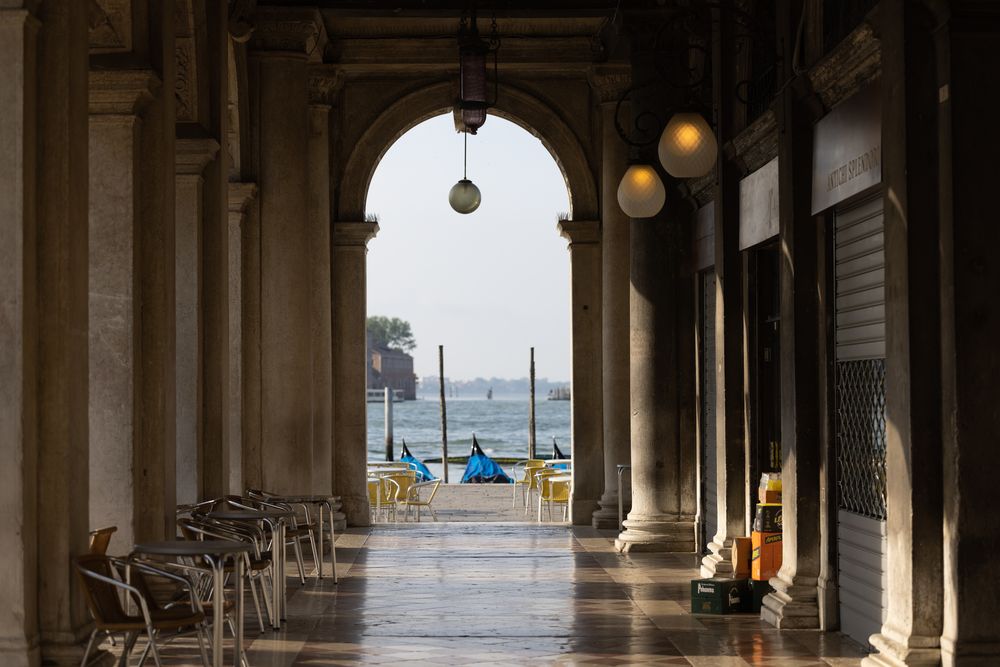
(356, 510)
(897, 652)
(967, 652)
(606, 518)
(658, 533)
(70, 655)
(718, 563)
(792, 605)
(582, 511)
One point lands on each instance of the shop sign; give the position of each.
(759, 205)
(847, 150)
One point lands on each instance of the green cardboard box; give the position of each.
(758, 590)
(720, 595)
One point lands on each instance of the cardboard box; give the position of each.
(720, 595)
(768, 518)
(766, 558)
(769, 496)
(758, 589)
(742, 549)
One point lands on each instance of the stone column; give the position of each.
(586, 423)
(132, 474)
(970, 330)
(912, 629)
(350, 411)
(282, 44)
(320, 302)
(191, 157)
(661, 362)
(614, 316)
(240, 197)
(43, 357)
(794, 604)
(731, 500)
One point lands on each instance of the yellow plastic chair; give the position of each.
(413, 498)
(553, 488)
(524, 479)
(383, 492)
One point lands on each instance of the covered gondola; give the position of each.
(481, 469)
(423, 474)
(557, 454)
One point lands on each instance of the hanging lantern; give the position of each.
(472, 51)
(464, 196)
(641, 193)
(688, 148)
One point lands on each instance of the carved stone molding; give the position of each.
(240, 196)
(609, 83)
(756, 145)
(289, 30)
(580, 231)
(121, 91)
(185, 80)
(353, 234)
(191, 155)
(110, 26)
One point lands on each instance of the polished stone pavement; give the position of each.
(508, 593)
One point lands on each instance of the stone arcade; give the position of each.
(183, 234)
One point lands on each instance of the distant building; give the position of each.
(391, 368)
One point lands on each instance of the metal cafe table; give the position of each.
(276, 521)
(320, 501)
(215, 553)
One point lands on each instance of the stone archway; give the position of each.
(521, 108)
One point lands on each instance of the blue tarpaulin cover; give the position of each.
(482, 469)
(423, 474)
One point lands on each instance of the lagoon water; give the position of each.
(500, 425)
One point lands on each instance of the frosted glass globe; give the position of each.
(688, 148)
(641, 193)
(464, 196)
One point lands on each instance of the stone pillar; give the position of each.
(282, 44)
(970, 330)
(350, 411)
(794, 604)
(240, 197)
(132, 473)
(320, 302)
(43, 358)
(730, 459)
(661, 360)
(614, 315)
(912, 629)
(586, 423)
(191, 157)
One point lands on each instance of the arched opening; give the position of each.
(487, 286)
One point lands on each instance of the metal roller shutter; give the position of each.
(860, 417)
(708, 445)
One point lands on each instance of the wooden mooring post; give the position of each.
(388, 425)
(444, 415)
(531, 409)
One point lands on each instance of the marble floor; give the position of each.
(509, 594)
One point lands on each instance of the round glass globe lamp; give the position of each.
(688, 148)
(464, 197)
(641, 193)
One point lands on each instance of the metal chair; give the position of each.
(413, 498)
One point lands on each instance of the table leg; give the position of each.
(238, 639)
(281, 530)
(333, 546)
(218, 604)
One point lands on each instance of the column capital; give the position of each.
(609, 82)
(241, 19)
(240, 196)
(324, 84)
(353, 233)
(123, 92)
(580, 231)
(289, 30)
(192, 154)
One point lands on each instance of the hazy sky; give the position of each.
(488, 285)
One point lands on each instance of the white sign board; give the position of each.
(759, 205)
